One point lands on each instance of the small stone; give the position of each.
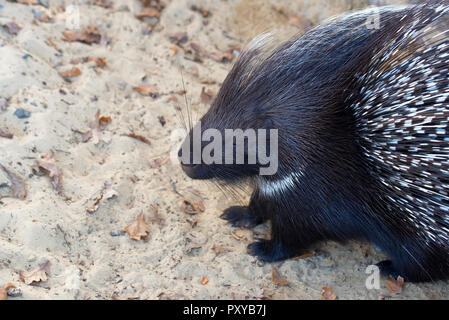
(14, 292)
(22, 113)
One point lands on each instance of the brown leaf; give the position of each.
(13, 28)
(223, 56)
(49, 165)
(149, 12)
(147, 90)
(159, 162)
(89, 35)
(173, 51)
(36, 275)
(138, 229)
(100, 62)
(191, 207)
(6, 135)
(204, 280)
(219, 249)
(140, 138)
(97, 132)
(4, 290)
(74, 72)
(27, 2)
(206, 96)
(277, 279)
(395, 285)
(18, 186)
(327, 294)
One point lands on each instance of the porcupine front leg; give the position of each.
(286, 241)
(247, 217)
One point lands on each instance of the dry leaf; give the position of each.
(6, 135)
(327, 294)
(49, 165)
(13, 28)
(219, 249)
(191, 207)
(204, 280)
(4, 290)
(277, 279)
(89, 35)
(173, 51)
(97, 132)
(147, 90)
(206, 96)
(238, 235)
(74, 72)
(149, 12)
(140, 138)
(18, 186)
(36, 275)
(100, 62)
(138, 229)
(159, 162)
(27, 2)
(395, 285)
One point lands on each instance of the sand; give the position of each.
(80, 231)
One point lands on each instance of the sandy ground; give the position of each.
(90, 255)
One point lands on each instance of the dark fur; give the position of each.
(305, 93)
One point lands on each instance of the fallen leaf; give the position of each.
(206, 96)
(277, 279)
(140, 138)
(327, 294)
(36, 275)
(97, 132)
(49, 165)
(395, 285)
(138, 229)
(173, 51)
(13, 28)
(100, 62)
(159, 162)
(27, 2)
(149, 12)
(219, 249)
(147, 90)
(4, 290)
(223, 56)
(89, 35)
(6, 134)
(18, 186)
(191, 207)
(74, 72)
(238, 235)
(204, 280)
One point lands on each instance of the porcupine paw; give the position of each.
(268, 251)
(387, 269)
(240, 217)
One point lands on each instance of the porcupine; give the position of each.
(363, 149)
